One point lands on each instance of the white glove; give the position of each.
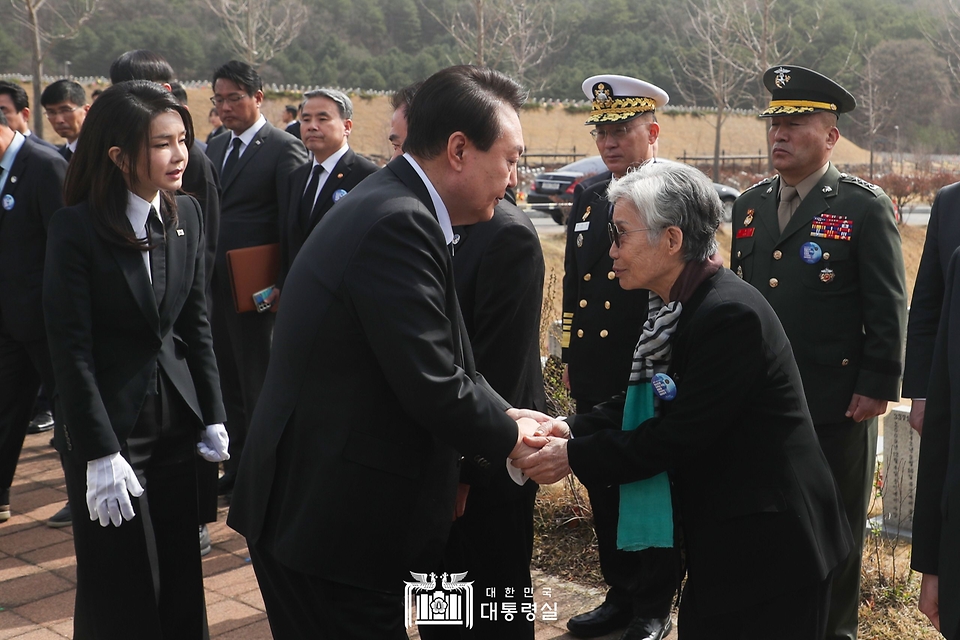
(214, 445)
(110, 481)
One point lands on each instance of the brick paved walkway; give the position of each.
(38, 569)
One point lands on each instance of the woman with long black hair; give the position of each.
(138, 392)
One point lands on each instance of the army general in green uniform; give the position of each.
(823, 248)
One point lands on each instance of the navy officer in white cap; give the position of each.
(601, 326)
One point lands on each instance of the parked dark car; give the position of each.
(552, 191)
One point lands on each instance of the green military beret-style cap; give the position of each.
(795, 90)
(619, 98)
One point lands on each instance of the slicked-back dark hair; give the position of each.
(141, 64)
(63, 91)
(402, 98)
(245, 76)
(462, 98)
(120, 117)
(292, 110)
(179, 92)
(18, 95)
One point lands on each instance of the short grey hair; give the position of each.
(670, 194)
(339, 97)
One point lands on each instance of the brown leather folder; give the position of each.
(252, 269)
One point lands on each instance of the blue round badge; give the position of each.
(664, 386)
(339, 193)
(8, 202)
(811, 253)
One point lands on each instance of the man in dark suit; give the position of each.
(823, 248)
(499, 273)
(255, 163)
(372, 394)
(936, 535)
(290, 123)
(217, 127)
(65, 104)
(601, 325)
(15, 105)
(943, 237)
(317, 185)
(31, 190)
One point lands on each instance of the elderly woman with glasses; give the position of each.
(711, 442)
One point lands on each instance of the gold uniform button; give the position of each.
(739, 254)
(604, 333)
(583, 303)
(774, 282)
(579, 333)
(606, 305)
(586, 278)
(777, 254)
(611, 275)
(844, 362)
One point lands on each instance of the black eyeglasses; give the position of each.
(615, 233)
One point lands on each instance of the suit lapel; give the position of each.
(816, 202)
(255, 145)
(325, 200)
(17, 172)
(135, 273)
(175, 249)
(298, 181)
(766, 213)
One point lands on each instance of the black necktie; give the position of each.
(310, 196)
(158, 256)
(67, 154)
(231, 161)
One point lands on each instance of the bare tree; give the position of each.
(260, 29)
(944, 33)
(518, 34)
(709, 55)
(874, 105)
(49, 22)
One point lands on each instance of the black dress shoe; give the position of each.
(225, 484)
(43, 421)
(647, 629)
(605, 619)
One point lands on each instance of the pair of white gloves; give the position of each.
(111, 480)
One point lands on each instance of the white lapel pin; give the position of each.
(179, 232)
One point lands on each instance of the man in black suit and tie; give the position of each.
(31, 181)
(290, 123)
(65, 104)
(326, 123)
(350, 477)
(15, 105)
(255, 162)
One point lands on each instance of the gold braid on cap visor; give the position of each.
(620, 109)
(778, 107)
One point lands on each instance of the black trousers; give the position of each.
(493, 542)
(646, 581)
(143, 579)
(241, 342)
(800, 614)
(23, 365)
(851, 451)
(301, 605)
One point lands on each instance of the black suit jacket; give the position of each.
(34, 192)
(250, 213)
(369, 397)
(499, 275)
(293, 129)
(40, 141)
(943, 237)
(936, 528)
(601, 320)
(202, 181)
(346, 174)
(759, 508)
(107, 335)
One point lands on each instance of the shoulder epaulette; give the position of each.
(766, 180)
(860, 182)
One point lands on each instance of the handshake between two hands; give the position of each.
(541, 449)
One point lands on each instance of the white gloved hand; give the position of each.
(110, 482)
(214, 445)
